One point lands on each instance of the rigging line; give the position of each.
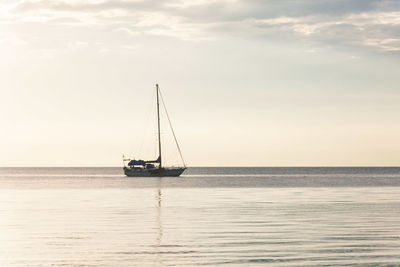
(172, 129)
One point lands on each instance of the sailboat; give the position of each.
(146, 168)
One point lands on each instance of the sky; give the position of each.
(246, 82)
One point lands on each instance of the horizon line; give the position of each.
(198, 166)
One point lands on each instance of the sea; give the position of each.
(207, 217)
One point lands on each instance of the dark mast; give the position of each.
(158, 123)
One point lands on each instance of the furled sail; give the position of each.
(141, 162)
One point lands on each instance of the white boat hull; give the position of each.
(163, 172)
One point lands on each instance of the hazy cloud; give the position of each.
(366, 23)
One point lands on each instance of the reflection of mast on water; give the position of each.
(159, 224)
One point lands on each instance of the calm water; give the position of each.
(210, 216)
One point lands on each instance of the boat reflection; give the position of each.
(159, 223)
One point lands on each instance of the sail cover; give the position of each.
(136, 162)
(142, 162)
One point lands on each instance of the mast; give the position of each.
(158, 124)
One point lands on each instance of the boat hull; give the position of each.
(163, 172)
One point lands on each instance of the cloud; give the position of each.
(84, 6)
(361, 23)
(12, 40)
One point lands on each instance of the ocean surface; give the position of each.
(207, 217)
